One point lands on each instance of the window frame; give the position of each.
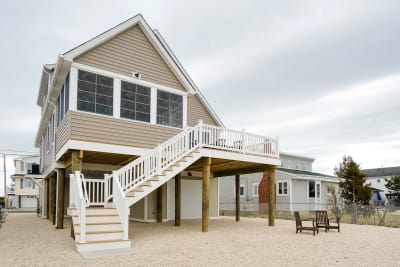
(316, 184)
(170, 110)
(283, 182)
(135, 101)
(256, 192)
(96, 84)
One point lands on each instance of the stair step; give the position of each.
(101, 236)
(138, 190)
(104, 245)
(99, 219)
(98, 215)
(100, 232)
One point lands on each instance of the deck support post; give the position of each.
(206, 194)
(46, 192)
(60, 198)
(271, 197)
(159, 204)
(178, 180)
(52, 189)
(237, 196)
(76, 165)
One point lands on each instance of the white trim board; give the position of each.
(99, 147)
(206, 152)
(114, 75)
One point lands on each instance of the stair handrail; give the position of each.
(80, 202)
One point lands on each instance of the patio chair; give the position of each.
(300, 227)
(322, 221)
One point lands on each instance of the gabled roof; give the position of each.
(297, 156)
(64, 61)
(378, 172)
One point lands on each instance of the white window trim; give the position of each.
(255, 185)
(277, 188)
(117, 78)
(308, 189)
(244, 190)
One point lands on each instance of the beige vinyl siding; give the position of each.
(131, 51)
(63, 132)
(196, 111)
(108, 130)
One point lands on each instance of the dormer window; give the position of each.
(95, 93)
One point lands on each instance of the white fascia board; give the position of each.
(214, 153)
(101, 38)
(99, 147)
(44, 81)
(61, 69)
(128, 79)
(193, 87)
(315, 178)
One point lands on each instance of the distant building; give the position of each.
(297, 188)
(377, 177)
(26, 190)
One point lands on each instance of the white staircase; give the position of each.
(103, 228)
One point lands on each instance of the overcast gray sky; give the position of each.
(324, 76)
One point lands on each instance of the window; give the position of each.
(63, 101)
(283, 188)
(22, 165)
(169, 109)
(296, 166)
(255, 190)
(95, 93)
(135, 102)
(311, 189)
(241, 190)
(21, 183)
(303, 166)
(289, 164)
(314, 189)
(378, 181)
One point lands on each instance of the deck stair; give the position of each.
(106, 226)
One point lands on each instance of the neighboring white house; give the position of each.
(26, 190)
(377, 178)
(297, 188)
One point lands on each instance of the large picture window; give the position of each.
(169, 109)
(95, 93)
(311, 189)
(135, 102)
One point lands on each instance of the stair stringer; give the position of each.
(163, 177)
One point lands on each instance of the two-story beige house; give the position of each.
(26, 190)
(126, 135)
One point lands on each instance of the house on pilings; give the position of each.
(126, 135)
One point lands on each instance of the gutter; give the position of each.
(60, 71)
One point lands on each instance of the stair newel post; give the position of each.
(82, 207)
(200, 132)
(126, 220)
(72, 193)
(243, 140)
(106, 184)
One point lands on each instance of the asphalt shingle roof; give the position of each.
(377, 172)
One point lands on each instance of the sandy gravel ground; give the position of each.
(28, 241)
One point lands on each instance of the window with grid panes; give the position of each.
(169, 109)
(135, 102)
(95, 93)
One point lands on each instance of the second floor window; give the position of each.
(95, 93)
(169, 109)
(135, 102)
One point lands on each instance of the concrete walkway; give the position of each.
(28, 241)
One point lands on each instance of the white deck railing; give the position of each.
(78, 199)
(201, 135)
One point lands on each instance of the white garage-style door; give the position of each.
(28, 202)
(191, 199)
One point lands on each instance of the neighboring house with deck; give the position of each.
(25, 190)
(125, 134)
(297, 188)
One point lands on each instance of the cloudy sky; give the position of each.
(324, 76)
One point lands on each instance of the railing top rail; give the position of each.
(241, 132)
(94, 180)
